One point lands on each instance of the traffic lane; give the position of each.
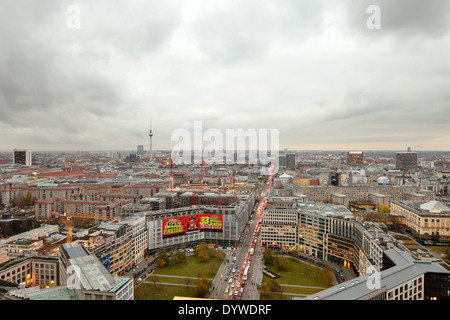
(229, 275)
(233, 279)
(241, 254)
(219, 284)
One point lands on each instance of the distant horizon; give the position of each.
(281, 150)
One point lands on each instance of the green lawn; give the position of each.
(296, 273)
(440, 251)
(171, 280)
(192, 268)
(147, 291)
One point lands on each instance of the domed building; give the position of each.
(382, 181)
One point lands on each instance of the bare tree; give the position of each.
(156, 280)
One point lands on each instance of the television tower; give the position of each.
(150, 134)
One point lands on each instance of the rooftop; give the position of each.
(405, 268)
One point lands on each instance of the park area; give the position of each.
(181, 275)
(294, 278)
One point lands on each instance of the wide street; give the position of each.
(241, 273)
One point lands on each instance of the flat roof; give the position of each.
(74, 250)
(406, 268)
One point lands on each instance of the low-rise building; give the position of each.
(21, 247)
(428, 219)
(81, 277)
(31, 271)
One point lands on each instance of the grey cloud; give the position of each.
(308, 68)
(248, 29)
(399, 19)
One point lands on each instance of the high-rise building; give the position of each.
(140, 150)
(406, 161)
(355, 157)
(282, 161)
(22, 157)
(290, 160)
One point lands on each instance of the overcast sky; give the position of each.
(311, 69)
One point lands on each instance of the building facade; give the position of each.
(355, 157)
(22, 157)
(279, 228)
(406, 161)
(189, 226)
(428, 219)
(32, 271)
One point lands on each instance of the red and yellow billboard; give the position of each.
(192, 224)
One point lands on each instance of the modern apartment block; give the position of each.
(115, 246)
(406, 161)
(290, 160)
(140, 235)
(31, 271)
(326, 232)
(189, 226)
(355, 157)
(81, 277)
(22, 157)
(404, 279)
(279, 228)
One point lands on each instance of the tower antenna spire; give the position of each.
(150, 134)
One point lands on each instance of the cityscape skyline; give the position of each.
(236, 152)
(314, 71)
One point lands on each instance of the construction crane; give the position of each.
(69, 216)
(233, 180)
(171, 174)
(69, 225)
(201, 174)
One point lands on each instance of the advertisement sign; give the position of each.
(192, 224)
(106, 261)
